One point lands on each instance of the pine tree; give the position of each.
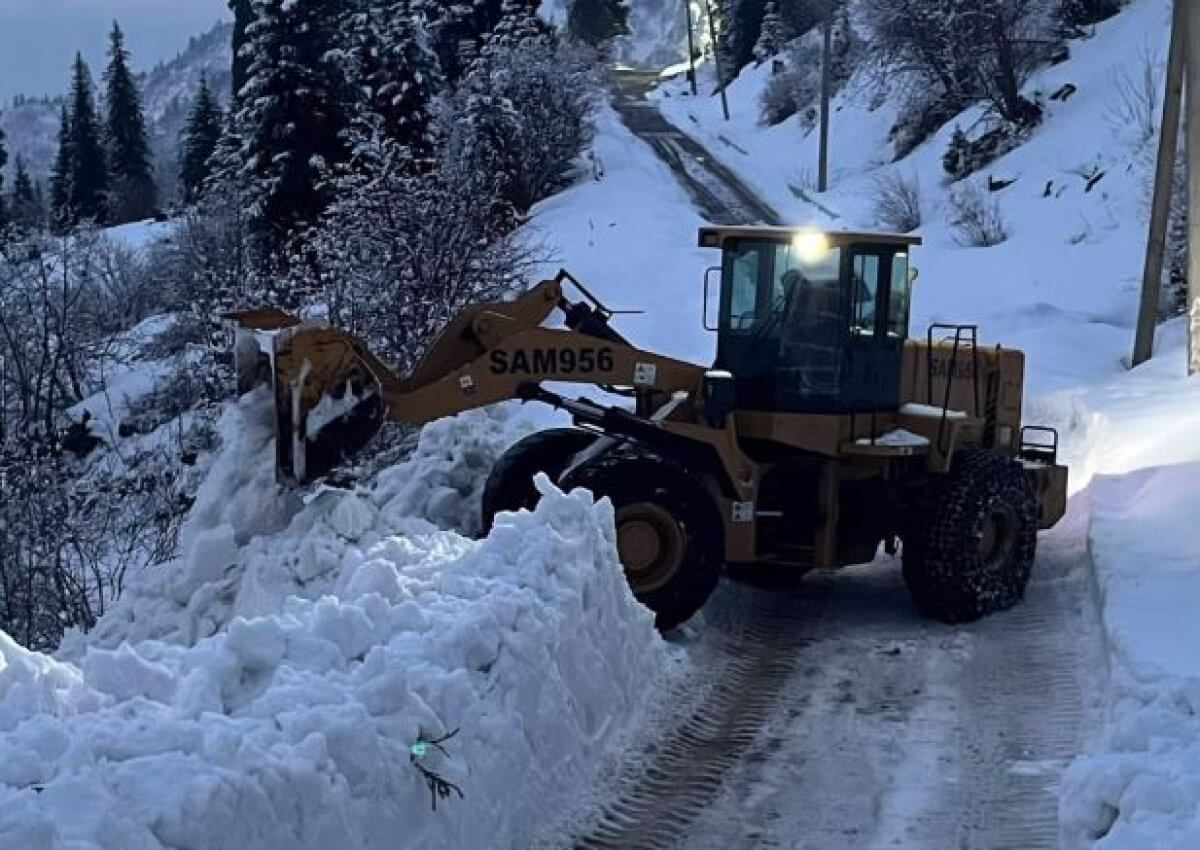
(598, 21)
(243, 16)
(26, 205)
(396, 70)
(519, 23)
(774, 34)
(957, 159)
(134, 195)
(88, 170)
(198, 142)
(291, 116)
(458, 31)
(60, 178)
(3, 162)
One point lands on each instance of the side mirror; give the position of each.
(708, 273)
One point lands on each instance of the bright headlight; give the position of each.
(811, 246)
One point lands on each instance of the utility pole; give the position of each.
(712, 33)
(687, 5)
(826, 86)
(1193, 157)
(1160, 207)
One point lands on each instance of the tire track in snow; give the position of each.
(752, 643)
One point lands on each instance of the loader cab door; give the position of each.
(812, 329)
(878, 293)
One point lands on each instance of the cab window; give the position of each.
(898, 303)
(865, 289)
(743, 270)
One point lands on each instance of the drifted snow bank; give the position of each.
(1140, 788)
(264, 691)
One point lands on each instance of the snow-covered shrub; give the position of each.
(1135, 98)
(1074, 15)
(54, 315)
(957, 159)
(523, 116)
(964, 156)
(922, 113)
(898, 201)
(965, 50)
(38, 597)
(404, 250)
(797, 89)
(975, 218)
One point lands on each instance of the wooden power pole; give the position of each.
(716, 49)
(1193, 161)
(687, 5)
(1160, 208)
(826, 87)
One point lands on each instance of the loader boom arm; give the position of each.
(332, 393)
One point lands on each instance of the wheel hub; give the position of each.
(651, 545)
(997, 536)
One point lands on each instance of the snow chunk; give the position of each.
(895, 438)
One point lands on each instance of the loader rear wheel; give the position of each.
(669, 532)
(510, 487)
(970, 545)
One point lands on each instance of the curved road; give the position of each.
(826, 715)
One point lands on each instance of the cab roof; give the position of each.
(714, 237)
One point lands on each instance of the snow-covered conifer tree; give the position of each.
(133, 193)
(198, 141)
(774, 34)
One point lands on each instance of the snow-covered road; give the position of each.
(718, 193)
(829, 715)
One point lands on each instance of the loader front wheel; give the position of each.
(669, 532)
(510, 487)
(970, 543)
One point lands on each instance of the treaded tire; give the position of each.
(970, 543)
(509, 486)
(631, 477)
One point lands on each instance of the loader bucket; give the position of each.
(328, 403)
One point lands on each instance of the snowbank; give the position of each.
(1140, 787)
(264, 690)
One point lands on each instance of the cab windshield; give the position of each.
(773, 283)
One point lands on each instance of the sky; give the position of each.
(38, 38)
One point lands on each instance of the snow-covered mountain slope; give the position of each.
(167, 91)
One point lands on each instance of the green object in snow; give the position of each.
(420, 749)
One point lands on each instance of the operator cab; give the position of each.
(810, 321)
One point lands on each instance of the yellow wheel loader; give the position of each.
(821, 432)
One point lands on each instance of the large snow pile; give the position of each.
(264, 691)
